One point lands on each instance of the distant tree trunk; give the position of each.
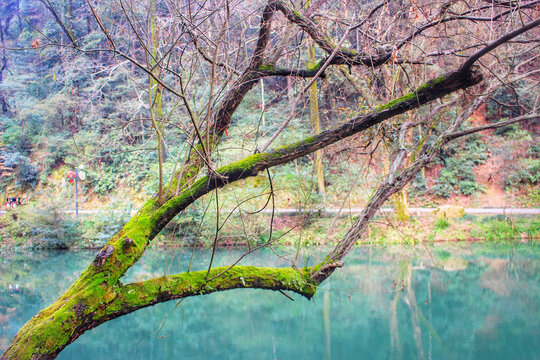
(155, 97)
(401, 198)
(3, 102)
(70, 36)
(290, 89)
(69, 15)
(263, 105)
(315, 121)
(3, 65)
(401, 204)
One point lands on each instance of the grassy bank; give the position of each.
(48, 227)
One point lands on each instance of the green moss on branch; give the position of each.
(315, 67)
(150, 292)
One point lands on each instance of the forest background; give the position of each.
(62, 109)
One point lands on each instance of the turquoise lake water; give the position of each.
(459, 301)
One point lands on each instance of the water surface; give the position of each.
(461, 302)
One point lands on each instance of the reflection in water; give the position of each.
(481, 305)
(410, 300)
(394, 331)
(327, 314)
(430, 314)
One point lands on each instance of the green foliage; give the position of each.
(509, 130)
(18, 138)
(22, 170)
(303, 185)
(96, 229)
(441, 224)
(43, 226)
(48, 226)
(503, 104)
(534, 150)
(525, 172)
(418, 185)
(457, 174)
(532, 197)
(53, 151)
(443, 254)
(74, 108)
(189, 228)
(121, 166)
(102, 183)
(503, 228)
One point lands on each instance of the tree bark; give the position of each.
(315, 123)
